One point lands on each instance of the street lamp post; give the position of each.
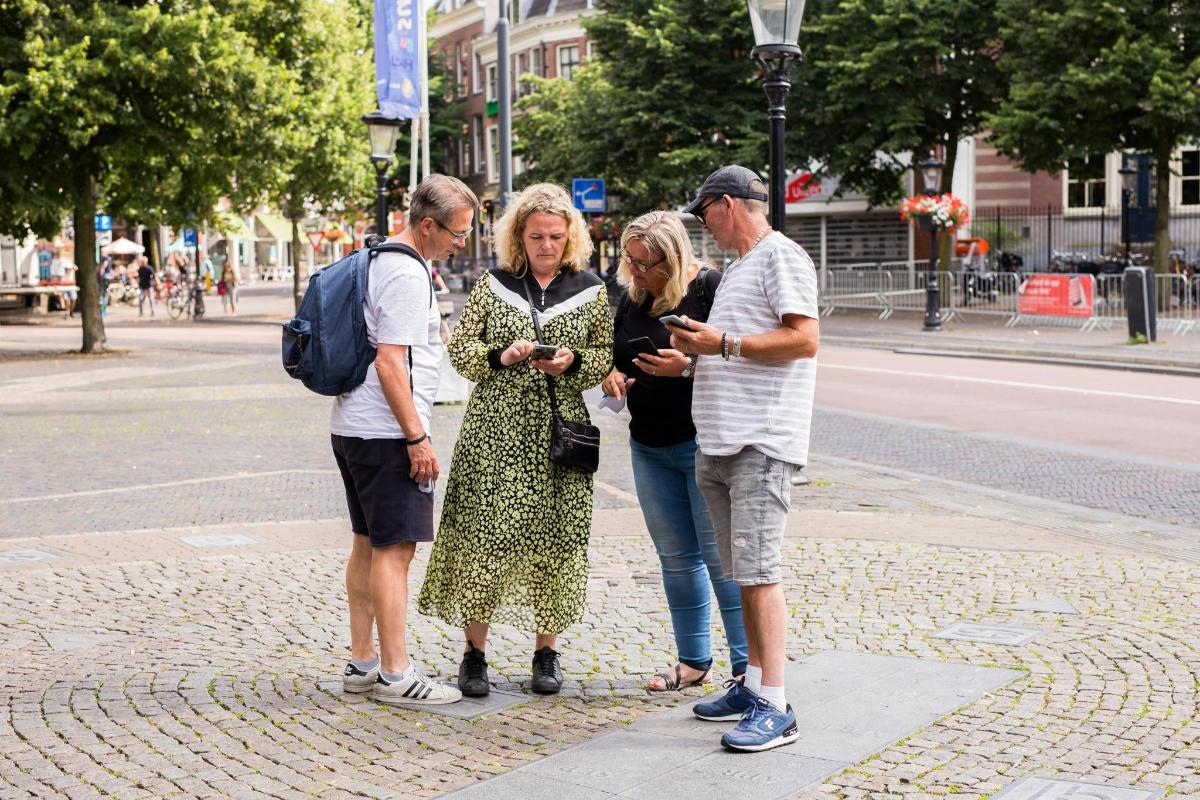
(1128, 187)
(381, 131)
(931, 174)
(776, 26)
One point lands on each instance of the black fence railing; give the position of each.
(1051, 238)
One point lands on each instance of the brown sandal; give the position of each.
(676, 682)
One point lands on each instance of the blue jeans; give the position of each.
(678, 521)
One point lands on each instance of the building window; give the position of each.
(492, 93)
(477, 144)
(493, 161)
(568, 60)
(1085, 182)
(1190, 178)
(477, 76)
(460, 88)
(535, 58)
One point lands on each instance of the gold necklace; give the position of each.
(758, 238)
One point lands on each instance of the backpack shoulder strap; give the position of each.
(702, 293)
(400, 247)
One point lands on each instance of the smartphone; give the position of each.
(541, 351)
(671, 319)
(642, 345)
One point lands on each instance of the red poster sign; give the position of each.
(802, 187)
(1058, 295)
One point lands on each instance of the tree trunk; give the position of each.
(85, 263)
(297, 294)
(153, 251)
(1162, 203)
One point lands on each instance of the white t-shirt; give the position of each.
(740, 402)
(399, 309)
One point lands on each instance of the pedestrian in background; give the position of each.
(146, 280)
(752, 406)
(512, 545)
(380, 437)
(227, 287)
(104, 274)
(663, 277)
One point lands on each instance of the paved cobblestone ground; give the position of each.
(135, 666)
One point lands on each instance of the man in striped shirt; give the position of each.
(752, 406)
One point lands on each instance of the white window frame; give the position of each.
(535, 62)
(1090, 189)
(562, 50)
(476, 74)
(493, 81)
(1186, 179)
(493, 154)
(476, 144)
(460, 88)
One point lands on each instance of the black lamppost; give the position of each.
(931, 174)
(1128, 188)
(776, 26)
(381, 131)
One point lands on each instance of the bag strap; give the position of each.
(702, 292)
(537, 332)
(397, 247)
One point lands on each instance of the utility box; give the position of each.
(1141, 305)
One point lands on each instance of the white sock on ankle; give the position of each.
(775, 695)
(753, 678)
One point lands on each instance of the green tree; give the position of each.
(669, 96)
(1088, 79)
(884, 80)
(158, 108)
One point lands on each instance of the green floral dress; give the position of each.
(512, 544)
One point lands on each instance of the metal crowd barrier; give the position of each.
(998, 294)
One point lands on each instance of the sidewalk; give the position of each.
(204, 662)
(989, 337)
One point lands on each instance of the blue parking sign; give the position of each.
(588, 194)
(189, 237)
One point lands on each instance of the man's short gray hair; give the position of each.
(438, 197)
(755, 206)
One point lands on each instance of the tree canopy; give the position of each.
(1088, 79)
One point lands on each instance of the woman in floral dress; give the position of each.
(512, 544)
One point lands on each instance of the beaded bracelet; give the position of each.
(724, 350)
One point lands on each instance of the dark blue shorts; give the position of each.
(385, 503)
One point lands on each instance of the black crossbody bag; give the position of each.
(572, 444)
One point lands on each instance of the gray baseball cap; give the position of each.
(732, 180)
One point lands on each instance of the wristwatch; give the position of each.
(690, 368)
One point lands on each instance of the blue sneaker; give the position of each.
(731, 705)
(762, 728)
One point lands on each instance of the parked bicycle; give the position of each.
(187, 297)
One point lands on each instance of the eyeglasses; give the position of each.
(642, 266)
(460, 238)
(700, 212)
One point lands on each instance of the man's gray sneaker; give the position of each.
(356, 681)
(416, 688)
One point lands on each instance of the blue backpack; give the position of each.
(325, 345)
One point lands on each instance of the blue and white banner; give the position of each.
(398, 26)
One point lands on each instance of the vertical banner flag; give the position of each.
(397, 68)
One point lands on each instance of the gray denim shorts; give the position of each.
(749, 495)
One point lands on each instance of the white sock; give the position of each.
(753, 678)
(775, 695)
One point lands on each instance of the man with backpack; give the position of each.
(380, 435)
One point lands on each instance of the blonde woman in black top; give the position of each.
(663, 277)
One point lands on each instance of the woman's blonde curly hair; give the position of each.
(547, 198)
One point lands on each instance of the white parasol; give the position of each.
(124, 247)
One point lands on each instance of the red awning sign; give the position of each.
(802, 187)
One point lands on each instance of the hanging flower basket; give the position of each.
(944, 212)
(603, 227)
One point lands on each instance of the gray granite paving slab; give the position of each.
(762, 776)
(522, 785)
(220, 540)
(76, 640)
(1051, 605)
(24, 556)
(1033, 787)
(619, 761)
(990, 633)
(468, 708)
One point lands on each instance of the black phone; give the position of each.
(642, 345)
(541, 351)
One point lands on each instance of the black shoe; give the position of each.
(547, 674)
(472, 673)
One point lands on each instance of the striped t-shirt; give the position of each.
(741, 402)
